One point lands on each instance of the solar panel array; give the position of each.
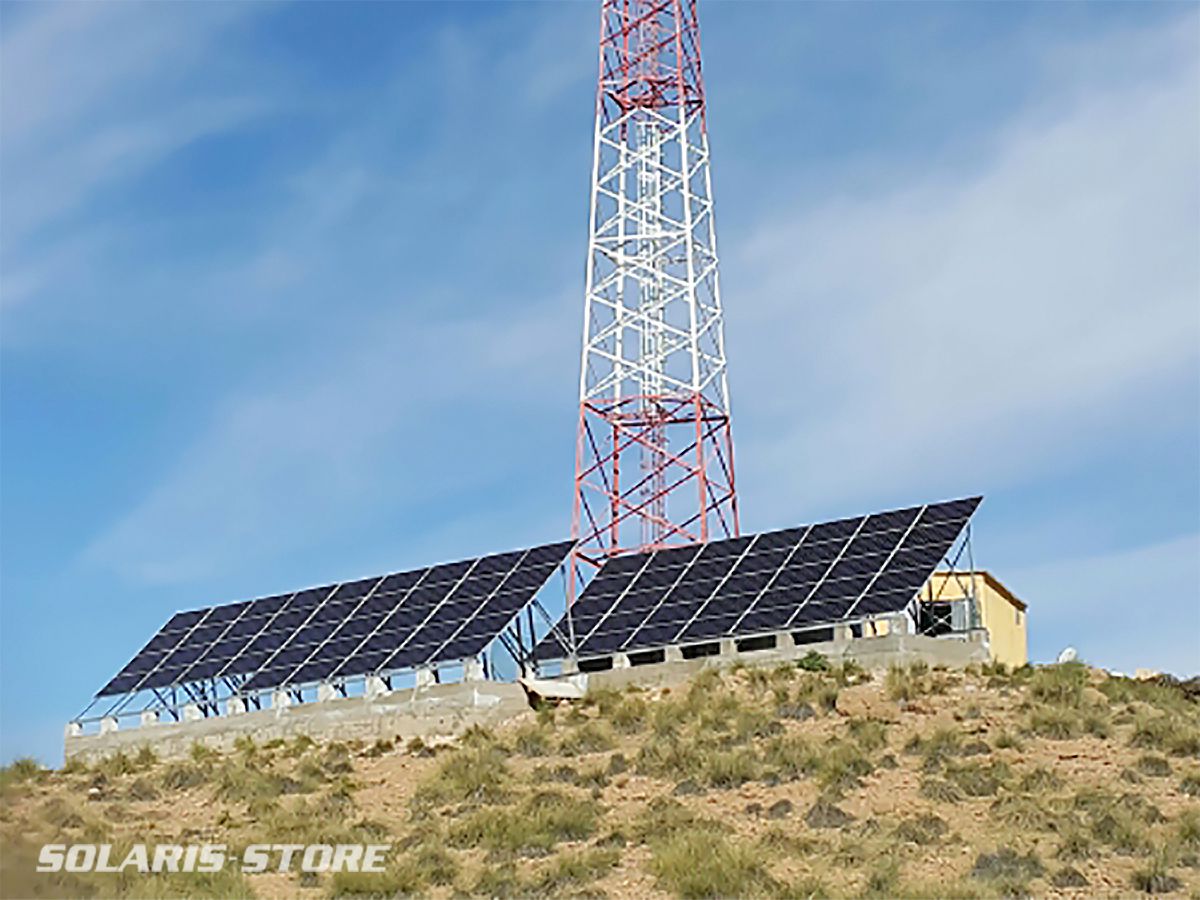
(386, 623)
(756, 584)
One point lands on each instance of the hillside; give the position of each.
(791, 782)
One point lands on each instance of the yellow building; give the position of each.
(997, 610)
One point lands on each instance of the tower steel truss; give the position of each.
(654, 458)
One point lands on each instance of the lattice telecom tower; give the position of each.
(654, 458)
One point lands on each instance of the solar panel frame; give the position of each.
(861, 565)
(321, 632)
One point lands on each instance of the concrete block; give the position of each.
(326, 691)
(570, 666)
(842, 634)
(149, 717)
(375, 687)
(728, 647)
(473, 670)
(425, 678)
(784, 641)
(73, 729)
(191, 713)
(108, 725)
(673, 654)
(235, 706)
(621, 661)
(280, 699)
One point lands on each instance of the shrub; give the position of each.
(535, 825)
(1190, 784)
(1152, 765)
(180, 776)
(531, 739)
(1007, 864)
(575, 869)
(926, 828)
(729, 769)
(1167, 733)
(1075, 844)
(20, 771)
(630, 716)
(1188, 827)
(1059, 685)
(870, 734)
(789, 757)
(812, 661)
(940, 791)
(1027, 813)
(979, 779)
(1040, 779)
(474, 774)
(695, 863)
(936, 749)
(842, 767)
(591, 737)
(1155, 878)
(1006, 740)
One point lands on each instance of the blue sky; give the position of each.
(291, 293)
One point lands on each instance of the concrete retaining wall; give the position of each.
(449, 709)
(439, 710)
(868, 652)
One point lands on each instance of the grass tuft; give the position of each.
(697, 863)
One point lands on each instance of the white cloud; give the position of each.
(94, 95)
(973, 328)
(401, 413)
(1136, 608)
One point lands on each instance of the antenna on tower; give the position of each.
(654, 453)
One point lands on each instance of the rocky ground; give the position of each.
(801, 781)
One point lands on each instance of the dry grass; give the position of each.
(777, 795)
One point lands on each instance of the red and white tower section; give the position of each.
(654, 460)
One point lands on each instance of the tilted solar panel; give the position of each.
(774, 581)
(386, 623)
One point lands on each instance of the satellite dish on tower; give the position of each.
(1068, 655)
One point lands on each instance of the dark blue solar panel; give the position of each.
(772, 581)
(348, 629)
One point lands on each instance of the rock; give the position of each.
(825, 815)
(1068, 877)
(754, 809)
(798, 711)
(866, 701)
(687, 788)
(1006, 863)
(780, 810)
(974, 748)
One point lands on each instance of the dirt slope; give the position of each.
(790, 782)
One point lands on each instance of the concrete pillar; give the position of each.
(191, 713)
(673, 654)
(842, 634)
(425, 678)
(149, 717)
(326, 691)
(235, 706)
(280, 699)
(375, 686)
(784, 642)
(898, 624)
(108, 724)
(473, 670)
(728, 647)
(621, 661)
(570, 666)
(74, 729)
